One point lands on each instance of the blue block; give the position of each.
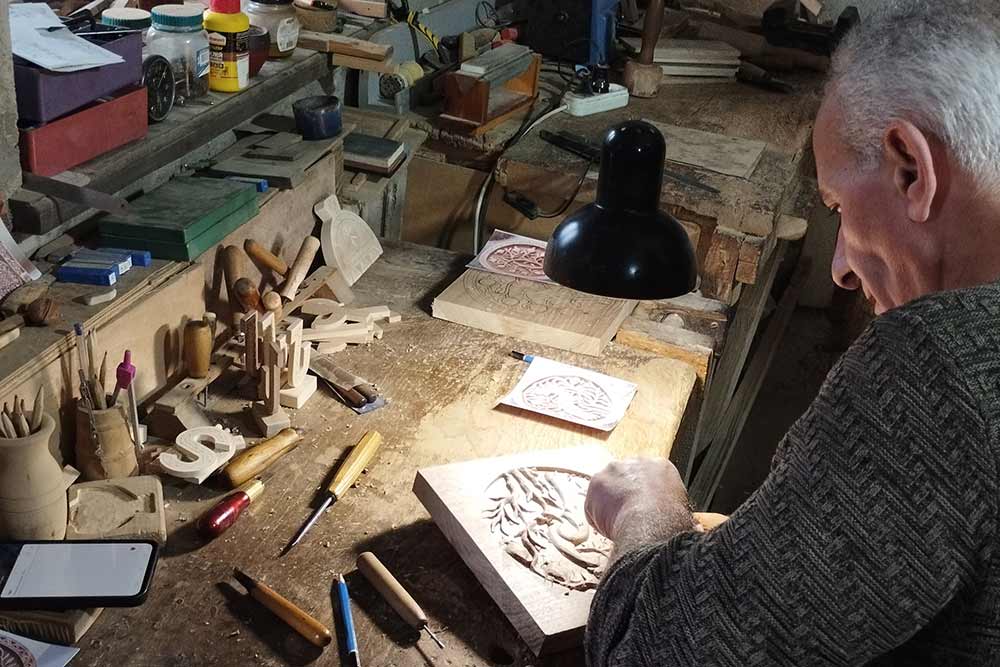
(139, 257)
(105, 277)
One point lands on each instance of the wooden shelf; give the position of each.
(188, 128)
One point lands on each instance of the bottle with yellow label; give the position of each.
(227, 30)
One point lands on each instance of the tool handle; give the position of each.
(263, 256)
(232, 266)
(223, 514)
(296, 617)
(253, 461)
(247, 295)
(296, 274)
(356, 462)
(390, 589)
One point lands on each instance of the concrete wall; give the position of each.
(10, 167)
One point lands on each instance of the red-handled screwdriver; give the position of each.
(224, 513)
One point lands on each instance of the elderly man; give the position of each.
(876, 537)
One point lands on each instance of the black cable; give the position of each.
(572, 198)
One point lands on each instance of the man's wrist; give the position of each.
(639, 527)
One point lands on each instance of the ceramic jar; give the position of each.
(33, 487)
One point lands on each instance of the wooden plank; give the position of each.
(536, 312)
(690, 51)
(365, 64)
(718, 272)
(346, 46)
(375, 9)
(548, 605)
(494, 59)
(706, 482)
(720, 153)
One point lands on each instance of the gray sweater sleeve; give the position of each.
(874, 517)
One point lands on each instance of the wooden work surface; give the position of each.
(441, 380)
(734, 229)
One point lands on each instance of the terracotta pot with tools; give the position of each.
(33, 487)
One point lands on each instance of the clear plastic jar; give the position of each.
(281, 22)
(177, 34)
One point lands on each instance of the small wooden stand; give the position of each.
(474, 105)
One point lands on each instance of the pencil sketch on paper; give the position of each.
(537, 514)
(569, 397)
(513, 255)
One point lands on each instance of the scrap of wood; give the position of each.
(375, 9)
(366, 64)
(325, 275)
(345, 46)
(348, 333)
(720, 153)
(814, 7)
(370, 314)
(537, 312)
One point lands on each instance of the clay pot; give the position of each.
(113, 455)
(33, 487)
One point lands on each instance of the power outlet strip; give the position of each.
(587, 105)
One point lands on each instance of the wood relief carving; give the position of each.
(531, 298)
(537, 513)
(518, 259)
(348, 242)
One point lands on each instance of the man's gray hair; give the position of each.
(935, 63)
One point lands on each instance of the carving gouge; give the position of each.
(394, 593)
(297, 618)
(348, 473)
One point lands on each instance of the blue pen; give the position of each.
(345, 615)
(526, 358)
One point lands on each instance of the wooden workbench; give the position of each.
(442, 381)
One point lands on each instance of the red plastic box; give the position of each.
(53, 148)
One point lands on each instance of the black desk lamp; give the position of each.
(623, 245)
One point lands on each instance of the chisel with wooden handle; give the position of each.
(300, 267)
(296, 617)
(250, 463)
(394, 593)
(346, 476)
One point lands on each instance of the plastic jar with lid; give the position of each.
(281, 22)
(178, 35)
(128, 18)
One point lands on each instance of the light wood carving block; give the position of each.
(331, 348)
(348, 242)
(377, 332)
(348, 333)
(395, 318)
(58, 627)
(270, 424)
(372, 314)
(541, 313)
(251, 358)
(328, 313)
(296, 397)
(127, 508)
(544, 583)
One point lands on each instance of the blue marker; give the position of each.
(526, 358)
(348, 620)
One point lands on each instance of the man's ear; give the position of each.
(908, 154)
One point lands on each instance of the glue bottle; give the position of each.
(227, 28)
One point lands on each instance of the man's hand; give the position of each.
(637, 502)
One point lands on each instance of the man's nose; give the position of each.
(842, 273)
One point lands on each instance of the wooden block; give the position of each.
(371, 314)
(330, 348)
(494, 59)
(329, 314)
(297, 397)
(720, 153)
(348, 242)
(537, 312)
(372, 8)
(543, 593)
(270, 424)
(59, 627)
(366, 64)
(345, 46)
(198, 452)
(126, 508)
(348, 333)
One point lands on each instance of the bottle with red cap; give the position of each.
(227, 28)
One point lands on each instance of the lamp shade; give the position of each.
(623, 245)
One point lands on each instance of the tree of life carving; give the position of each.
(518, 259)
(569, 397)
(537, 514)
(15, 654)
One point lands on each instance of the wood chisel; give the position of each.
(224, 513)
(250, 463)
(346, 476)
(394, 593)
(296, 618)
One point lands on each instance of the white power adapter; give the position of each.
(587, 105)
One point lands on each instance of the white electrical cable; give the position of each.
(477, 231)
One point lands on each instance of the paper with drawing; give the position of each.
(512, 255)
(574, 394)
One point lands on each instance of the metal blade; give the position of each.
(308, 524)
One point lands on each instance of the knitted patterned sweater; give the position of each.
(874, 539)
